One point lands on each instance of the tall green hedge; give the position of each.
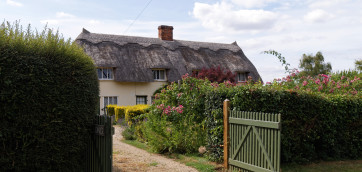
(49, 96)
(313, 127)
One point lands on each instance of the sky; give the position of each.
(290, 27)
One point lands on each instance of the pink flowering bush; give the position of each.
(342, 83)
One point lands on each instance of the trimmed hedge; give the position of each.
(313, 127)
(129, 113)
(49, 96)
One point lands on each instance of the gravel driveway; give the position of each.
(128, 158)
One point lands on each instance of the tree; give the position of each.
(215, 74)
(314, 65)
(358, 64)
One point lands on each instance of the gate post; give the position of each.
(226, 132)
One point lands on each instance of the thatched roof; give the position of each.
(133, 58)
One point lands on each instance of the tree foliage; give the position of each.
(313, 65)
(215, 74)
(358, 64)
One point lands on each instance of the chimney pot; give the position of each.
(165, 32)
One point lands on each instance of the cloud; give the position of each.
(326, 3)
(94, 22)
(13, 3)
(223, 17)
(63, 15)
(252, 3)
(50, 21)
(318, 16)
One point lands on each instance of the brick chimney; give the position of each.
(165, 32)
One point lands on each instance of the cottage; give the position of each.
(131, 68)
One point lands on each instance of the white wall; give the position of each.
(126, 92)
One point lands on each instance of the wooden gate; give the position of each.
(99, 153)
(251, 140)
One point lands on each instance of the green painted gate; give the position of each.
(254, 141)
(99, 151)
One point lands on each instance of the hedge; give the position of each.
(49, 95)
(314, 127)
(129, 113)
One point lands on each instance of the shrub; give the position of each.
(129, 133)
(129, 113)
(176, 121)
(215, 74)
(48, 96)
(132, 112)
(314, 127)
(117, 111)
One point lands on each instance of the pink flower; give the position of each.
(268, 83)
(305, 83)
(320, 88)
(331, 90)
(317, 81)
(179, 95)
(185, 76)
(343, 77)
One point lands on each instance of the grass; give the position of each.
(193, 160)
(153, 164)
(330, 166)
(196, 161)
(137, 144)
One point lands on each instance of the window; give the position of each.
(110, 101)
(141, 100)
(242, 76)
(105, 73)
(159, 75)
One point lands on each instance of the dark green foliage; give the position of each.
(313, 127)
(49, 96)
(314, 65)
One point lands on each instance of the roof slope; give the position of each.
(134, 57)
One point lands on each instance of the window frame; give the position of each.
(140, 102)
(108, 100)
(157, 74)
(246, 74)
(109, 74)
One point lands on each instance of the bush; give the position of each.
(132, 112)
(49, 95)
(117, 111)
(129, 133)
(129, 113)
(176, 121)
(314, 127)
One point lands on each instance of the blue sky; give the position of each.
(291, 27)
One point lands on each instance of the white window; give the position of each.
(112, 100)
(141, 100)
(242, 77)
(159, 74)
(105, 73)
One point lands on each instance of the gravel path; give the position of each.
(128, 158)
